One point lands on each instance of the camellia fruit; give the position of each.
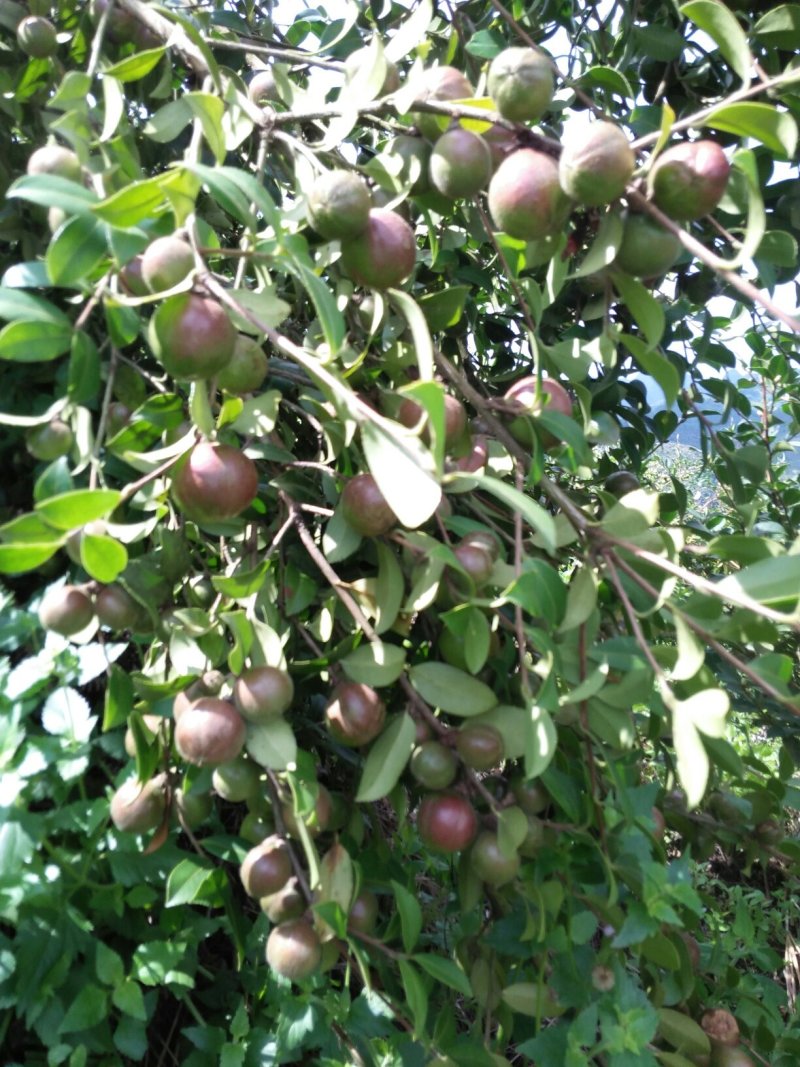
(480, 746)
(166, 262)
(410, 413)
(721, 1027)
(621, 482)
(317, 822)
(520, 81)
(647, 250)
(355, 714)
(36, 36)
(192, 809)
(531, 796)
(339, 205)
(447, 822)
(722, 1056)
(460, 164)
(66, 611)
(287, 903)
(214, 482)
(439, 83)
(137, 807)
(53, 159)
(116, 608)
(433, 765)
(688, 180)
(551, 396)
(266, 868)
(364, 507)
(191, 336)
(130, 277)
(490, 863)
(595, 163)
(414, 154)
(363, 913)
(247, 369)
(50, 440)
(153, 726)
(237, 781)
(209, 732)
(261, 693)
(526, 200)
(384, 254)
(255, 828)
(476, 561)
(262, 88)
(294, 949)
(501, 142)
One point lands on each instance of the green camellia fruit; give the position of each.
(551, 396)
(339, 205)
(294, 950)
(520, 82)
(364, 507)
(261, 693)
(722, 1056)
(355, 714)
(262, 88)
(137, 807)
(439, 83)
(192, 809)
(531, 796)
(50, 440)
(446, 822)
(166, 262)
(596, 163)
(480, 746)
(689, 179)
(316, 822)
(116, 608)
(237, 781)
(214, 482)
(414, 154)
(255, 828)
(247, 369)
(209, 732)
(191, 336)
(66, 611)
(490, 863)
(460, 164)
(53, 159)
(534, 838)
(36, 36)
(266, 868)
(383, 255)
(434, 765)
(647, 250)
(526, 200)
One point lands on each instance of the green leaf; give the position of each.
(103, 558)
(210, 111)
(445, 971)
(773, 581)
(682, 1032)
(108, 964)
(723, 27)
(410, 915)
(763, 122)
(132, 68)
(402, 469)
(423, 346)
(604, 247)
(119, 697)
(512, 724)
(18, 558)
(534, 514)
(132, 204)
(387, 759)
(127, 997)
(69, 510)
(272, 744)
(83, 380)
(451, 690)
(410, 33)
(660, 369)
(581, 599)
(541, 740)
(445, 308)
(188, 881)
(49, 190)
(331, 320)
(780, 28)
(705, 712)
(14, 304)
(645, 308)
(389, 588)
(375, 663)
(242, 583)
(166, 124)
(416, 994)
(88, 1008)
(512, 829)
(34, 342)
(75, 251)
(540, 591)
(607, 78)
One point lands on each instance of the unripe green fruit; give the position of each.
(446, 822)
(534, 838)
(355, 714)
(287, 903)
(261, 693)
(722, 1056)
(461, 163)
(364, 507)
(247, 368)
(191, 336)
(214, 482)
(490, 863)
(689, 180)
(410, 414)
(236, 781)
(520, 81)
(480, 746)
(415, 154)
(255, 828)
(552, 396)
(647, 250)
(383, 255)
(596, 164)
(266, 868)
(166, 262)
(209, 732)
(434, 765)
(525, 197)
(53, 159)
(339, 205)
(262, 88)
(439, 83)
(56, 217)
(66, 611)
(192, 808)
(137, 807)
(36, 36)
(294, 950)
(50, 440)
(116, 608)
(621, 482)
(531, 796)
(363, 914)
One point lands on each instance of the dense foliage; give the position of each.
(373, 690)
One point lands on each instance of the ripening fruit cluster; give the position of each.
(70, 609)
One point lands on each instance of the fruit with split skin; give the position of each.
(526, 200)
(66, 611)
(364, 507)
(355, 714)
(209, 732)
(520, 81)
(214, 482)
(446, 822)
(261, 693)
(191, 336)
(384, 254)
(294, 950)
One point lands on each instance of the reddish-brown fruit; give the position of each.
(66, 611)
(266, 868)
(315, 823)
(130, 278)
(287, 903)
(294, 950)
(364, 507)
(237, 781)
(355, 714)
(461, 163)
(36, 36)
(689, 180)
(434, 765)
(490, 863)
(621, 482)
(447, 822)
(525, 197)
(384, 254)
(214, 482)
(116, 608)
(439, 83)
(475, 460)
(476, 560)
(455, 417)
(209, 732)
(596, 164)
(553, 397)
(137, 807)
(480, 746)
(192, 336)
(721, 1027)
(53, 159)
(49, 440)
(532, 797)
(247, 369)
(363, 914)
(165, 262)
(153, 725)
(261, 693)
(208, 685)
(486, 540)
